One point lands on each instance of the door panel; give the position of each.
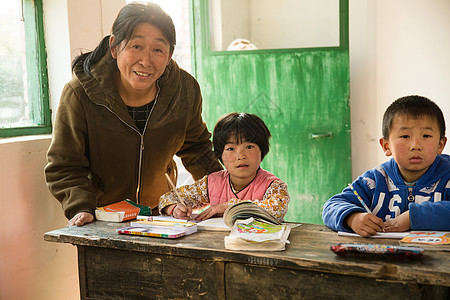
(302, 96)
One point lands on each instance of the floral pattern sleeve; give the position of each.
(275, 200)
(194, 195)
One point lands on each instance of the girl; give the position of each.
(240, 141)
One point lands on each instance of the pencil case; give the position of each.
(343, 249)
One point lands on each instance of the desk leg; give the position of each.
(220, 279)
(82, 271)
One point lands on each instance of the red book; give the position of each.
(117, 212)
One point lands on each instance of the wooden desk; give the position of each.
(198, 266)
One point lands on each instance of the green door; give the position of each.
(301, 94)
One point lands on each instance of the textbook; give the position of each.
(245, 210)
(121, 211)
(254, 235)
(428, 237)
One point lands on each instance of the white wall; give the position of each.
(31, 268)
(396, 48)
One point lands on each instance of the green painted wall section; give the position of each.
(300, 95)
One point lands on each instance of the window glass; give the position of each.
(22, 73)
(268, 24)
(13, 70)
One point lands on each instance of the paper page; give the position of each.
(379, 235)
(215, 224)
(160, 218)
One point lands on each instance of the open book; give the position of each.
(245, 210)
(253, 228)
(254, 235)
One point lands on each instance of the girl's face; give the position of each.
(143, 59)
(241, 161)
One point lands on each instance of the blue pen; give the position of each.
(360, 199)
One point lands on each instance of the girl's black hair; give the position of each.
(415, 107)
(126, 21)
(242, 126)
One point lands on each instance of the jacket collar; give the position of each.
(438, 169)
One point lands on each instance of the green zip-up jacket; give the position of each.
(98, 156)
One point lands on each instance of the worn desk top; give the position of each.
(308, 249)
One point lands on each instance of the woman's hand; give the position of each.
(80, 219)
(213, 210)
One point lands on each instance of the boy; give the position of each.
(410, 191)
(241, 141)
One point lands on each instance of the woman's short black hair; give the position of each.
(129, 17)
(242, 126)
(415, 107)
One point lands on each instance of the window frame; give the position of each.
(35, 55)
(206, 39)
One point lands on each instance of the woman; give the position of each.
(126, 112)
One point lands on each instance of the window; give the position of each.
(24, 105)
(268, 24)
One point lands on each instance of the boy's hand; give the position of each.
(80, 219)
(399, 224)
(181, 212)
(365, 224)
(213, 210)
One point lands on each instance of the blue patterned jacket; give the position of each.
(386, 194)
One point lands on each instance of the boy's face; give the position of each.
(241, 161)
(414, 144)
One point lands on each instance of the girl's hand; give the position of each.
(180, 211)
(213, 210)
(399, 224)
(80, 219)
(365, 224)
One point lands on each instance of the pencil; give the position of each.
(360, 199)
(175, 190)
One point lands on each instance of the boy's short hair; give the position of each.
(415, 107)
(242, 126)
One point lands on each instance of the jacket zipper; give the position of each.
(141, 147)
(410, 194)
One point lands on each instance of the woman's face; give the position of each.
(143, 59)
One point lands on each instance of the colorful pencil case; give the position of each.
(349, 248)
(168, 233)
